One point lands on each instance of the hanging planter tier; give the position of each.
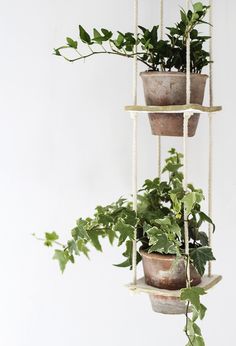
(169, 88)
(168, 301)
(191, 108)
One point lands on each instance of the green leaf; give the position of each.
(96, 33)
(62, 257)
(107, 34)
(203, 238)
(195, 17)
(111, 236)
(80, 231)
(159, 241)
(125, 231)
(176, 230)
(72, 43)
(192, 295)
(198, 7)
(193, 34)
(104, 219)
(202, 311)
(50, 238)
(57, 52)
(196, 329)
(204, 217)
(184, 17)
(198, 341)
(84, 36)
(72, 247)
(128, 254)
(98, 38)
(200, 256)
(195, 314)
(82, 247)
(172, 167)
(165, 221)
(120, 42)
(176, 203)
(94, 237)
(189, 201)
(124, 264)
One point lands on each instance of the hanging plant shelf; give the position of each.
(168, 301)
(191, 108)
(141, 287)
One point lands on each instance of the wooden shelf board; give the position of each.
(191, 108)
(141, 287)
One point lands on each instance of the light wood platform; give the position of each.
(142, 287)
(191, 108)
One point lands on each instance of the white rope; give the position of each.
(210, 137)
(187, 4)
(158, 149)
(158, 138)
(134, 144)
(185, 138)
(185, 183)
(188, 75)
(161, 19)
(135, 60)
(188, 72)
(134, 188)
(211, 53)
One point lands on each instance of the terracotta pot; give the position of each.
(169, 88)
(167, 305)
(164, 271)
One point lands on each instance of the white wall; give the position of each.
(65, 146)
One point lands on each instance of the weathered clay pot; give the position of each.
(164, 271)
(167, 305)
(169, 88)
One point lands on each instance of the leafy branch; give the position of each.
(155, 53)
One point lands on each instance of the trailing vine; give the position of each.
(191, 296)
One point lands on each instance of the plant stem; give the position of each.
(186, 325)
(55, 242)
(131, 55)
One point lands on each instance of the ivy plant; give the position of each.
(158, 226)
(157, 54)
(158, 223)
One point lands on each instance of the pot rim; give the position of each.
(157, 255)
(169, 73)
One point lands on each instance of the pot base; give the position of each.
(167, 305)
(172, 124)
